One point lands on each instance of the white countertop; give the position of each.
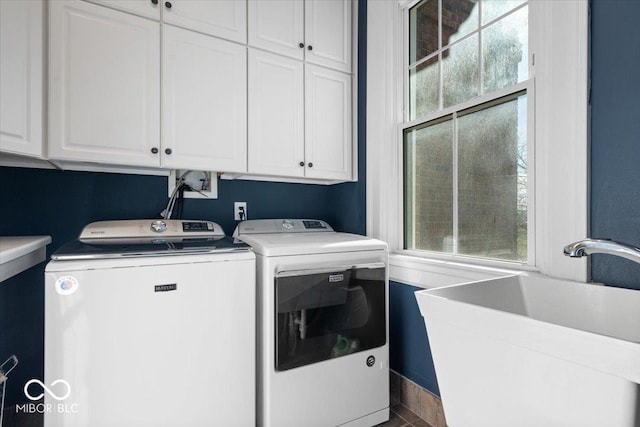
(18, 253)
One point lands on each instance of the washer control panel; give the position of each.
(144, 228)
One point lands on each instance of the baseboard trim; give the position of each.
(418, 399)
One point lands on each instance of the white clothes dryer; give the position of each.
(322, 307)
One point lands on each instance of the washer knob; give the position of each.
(158, 226)
(287, 224)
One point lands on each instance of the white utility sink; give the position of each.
(528, 350)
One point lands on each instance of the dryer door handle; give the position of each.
(284, 271)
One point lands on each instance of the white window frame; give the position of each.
(527, 86)
(557, 90)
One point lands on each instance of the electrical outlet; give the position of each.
(240, 211)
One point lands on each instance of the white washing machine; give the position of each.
(150, 323)
(323, 356)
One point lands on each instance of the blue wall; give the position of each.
(409, 351)
(60, 203)
(615, 135)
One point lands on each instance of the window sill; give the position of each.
(428, 273)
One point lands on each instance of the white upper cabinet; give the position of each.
(222, 18)
(318, 31)
(277, 26)
(260, 90)
(21, 77)
(106, 92)
(147, 8)
(299, 119)
(328, 33)
(276, 115)
(300, 96)
(328, 147)
(204, 102)
(104, 80)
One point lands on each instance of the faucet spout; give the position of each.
(602, 246)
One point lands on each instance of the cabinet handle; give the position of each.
(154, 150)
(300, 44)
(310, 47)
(310, 165)
(167, 4)
(168, 151)
(154, 1)
(301, 163)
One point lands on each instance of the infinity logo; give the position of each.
(51, 393)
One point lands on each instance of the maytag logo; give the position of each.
(336, 278)
(166, 288)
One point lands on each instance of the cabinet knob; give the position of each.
(168, 151)
(167, 4)
(310, 47)
(310, 165)
(301, 163)
(154, 1)
(154, 150)
(300, 44)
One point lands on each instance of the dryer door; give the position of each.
(328, 313)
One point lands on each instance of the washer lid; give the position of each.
(113, 249)
(147, 237)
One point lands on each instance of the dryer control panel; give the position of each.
(267, 226)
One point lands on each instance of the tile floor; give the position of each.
(400, 416)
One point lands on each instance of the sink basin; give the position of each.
(528, 350)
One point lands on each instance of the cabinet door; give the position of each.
(204, 114)
(328, 33)
(276, 115)
(146, 8)
(104, 81)
(277, 26)
(221, 18)
(21, 74)
(328, 146)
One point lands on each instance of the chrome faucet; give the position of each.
(602, 246)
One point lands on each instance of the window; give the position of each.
(465, 134)
(558, 79)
